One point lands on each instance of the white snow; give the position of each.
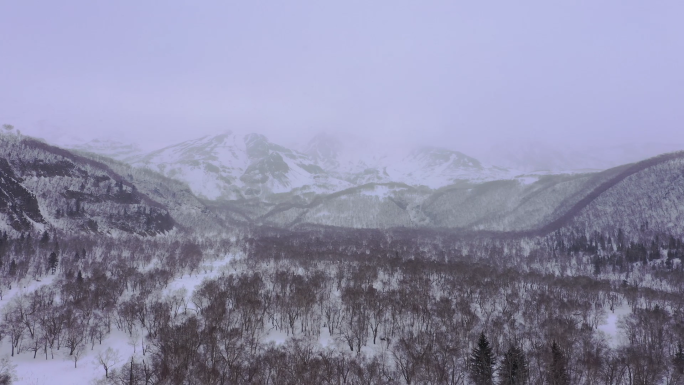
(610, 328)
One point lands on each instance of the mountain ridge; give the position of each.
(231, 166)
(535, 207)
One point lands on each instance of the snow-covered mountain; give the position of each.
(43, 185)
(232, 166)
(433, 167)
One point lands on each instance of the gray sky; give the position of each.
(461, 74)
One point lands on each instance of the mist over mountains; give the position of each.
(235, 166)
(556, 157)
(245, 180)
(348, 150)
(248, 180)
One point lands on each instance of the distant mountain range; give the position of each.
(230, 166)
(258, 183)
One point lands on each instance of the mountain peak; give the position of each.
(325, 150)
(258, 146)
(254, 137)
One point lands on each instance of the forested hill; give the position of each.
(45, 187)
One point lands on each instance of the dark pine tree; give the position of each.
(45, 238)
(620, 240)
(79, 277)
(558, 371)
(678, 361)
(12, 268)
(482, 362)
(52, 262)
(514, 369)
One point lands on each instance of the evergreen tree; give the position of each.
(45, 238)
(79, 277)
(514, 370)
(482, 362)
(558, 371)
(52, 262)
(597, 266)
(12, 268)
(678, 361)
(620, 240)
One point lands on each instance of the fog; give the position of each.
(492, 79)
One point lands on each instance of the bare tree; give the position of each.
(107, 359)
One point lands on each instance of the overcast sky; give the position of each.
(460, 74)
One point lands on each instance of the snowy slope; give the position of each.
(437, 167)
(232, 166)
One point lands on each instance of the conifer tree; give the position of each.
(482, 362)
(514, 369)
(12, 268)
(52, 262)
(45, 238)
(558, 371)
(678, 361)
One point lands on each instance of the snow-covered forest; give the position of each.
(345, 306)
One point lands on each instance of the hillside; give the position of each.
(45, 187)
(645, 196)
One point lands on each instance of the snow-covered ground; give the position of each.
(60, 369)
(610, 328)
